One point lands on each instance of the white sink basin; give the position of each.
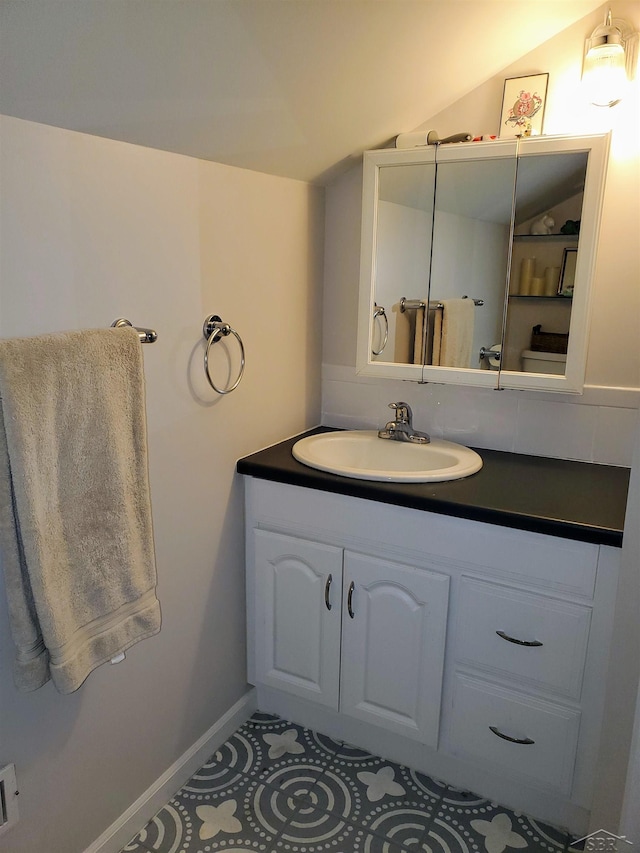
(361, 454)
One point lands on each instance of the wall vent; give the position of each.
(8, 797)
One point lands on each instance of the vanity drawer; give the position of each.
(542, 640)
(483, 711)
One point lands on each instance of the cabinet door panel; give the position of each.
(393, 645)
(297, 635)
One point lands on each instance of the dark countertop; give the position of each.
(558, 497)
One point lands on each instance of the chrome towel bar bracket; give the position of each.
(214, 330)
(147, 336)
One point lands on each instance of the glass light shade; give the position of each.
(604, 74)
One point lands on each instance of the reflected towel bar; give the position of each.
(147, 336)
(417, 304)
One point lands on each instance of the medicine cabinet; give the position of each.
(510, 225)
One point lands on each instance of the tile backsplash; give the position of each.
(597, 426)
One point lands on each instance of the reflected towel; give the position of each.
(453, 333)
(418, 337)
(75, 517)
(409, 335)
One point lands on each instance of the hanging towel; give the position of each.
(453, 333)
(409, 335)
(403, 338)
(76, 540)
(418, 337)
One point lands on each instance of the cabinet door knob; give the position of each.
(526, 741)
(327, 589)
(350, 600)
(529, 643)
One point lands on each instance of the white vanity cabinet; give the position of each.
(297, 615)
(471, 652)
(351, 632)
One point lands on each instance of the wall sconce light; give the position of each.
(610, 56)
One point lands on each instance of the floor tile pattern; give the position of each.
(275, 787)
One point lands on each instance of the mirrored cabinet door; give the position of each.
(397, 227)
(404, 225)
(470, 258)
(559, 192)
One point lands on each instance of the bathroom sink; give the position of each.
(365, 456)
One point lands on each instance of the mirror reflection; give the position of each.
(402, 260)
(441, 255)
(472, 225)
(548, 212)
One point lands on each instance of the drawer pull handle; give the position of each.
(530, 644)
(526, 741)
(327, 589)
(350, 600)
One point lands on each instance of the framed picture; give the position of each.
(523, 105)
(567, 272)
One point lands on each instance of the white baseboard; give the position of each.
(121, 831)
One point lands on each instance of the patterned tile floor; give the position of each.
(275, 787)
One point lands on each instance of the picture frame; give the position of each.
(523, 104)
(567, 272)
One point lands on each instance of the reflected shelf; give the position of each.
(553, 237)
(556, 296)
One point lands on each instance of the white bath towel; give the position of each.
(453, 333)
(76, 540)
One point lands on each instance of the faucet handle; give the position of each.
(404, 415)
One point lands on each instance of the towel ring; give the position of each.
(379, 311)
(213, 330)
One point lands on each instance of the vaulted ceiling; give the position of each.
(289, 87)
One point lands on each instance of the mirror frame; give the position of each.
(572, 381)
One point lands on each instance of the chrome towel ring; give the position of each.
(378, 311)
(214, 330)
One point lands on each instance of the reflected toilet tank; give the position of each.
(543, 362)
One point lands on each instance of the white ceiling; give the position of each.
(289, 87)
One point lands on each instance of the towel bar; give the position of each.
(147, 336)
(416, 304)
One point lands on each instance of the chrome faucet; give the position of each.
(401, 429)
